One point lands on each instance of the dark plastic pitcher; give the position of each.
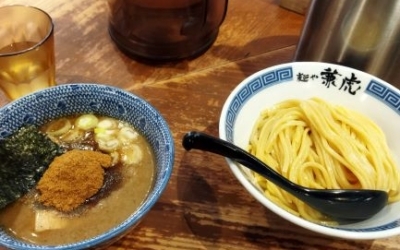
(165, 29)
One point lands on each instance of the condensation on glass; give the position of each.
(27, 61)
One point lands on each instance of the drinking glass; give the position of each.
(27, 61)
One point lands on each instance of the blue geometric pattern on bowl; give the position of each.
(376, 89)
(383, 93)
(266, 80)
(68, 99)
(391, 225)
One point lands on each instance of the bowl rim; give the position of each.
(118, 230)
(237, 170)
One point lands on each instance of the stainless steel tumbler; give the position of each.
(363, 34)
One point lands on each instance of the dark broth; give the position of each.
(124, 190)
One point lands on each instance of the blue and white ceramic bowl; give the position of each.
(336, 84)
(68, 99)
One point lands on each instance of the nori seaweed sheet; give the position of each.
(24, 157)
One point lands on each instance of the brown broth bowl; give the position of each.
(80, 98)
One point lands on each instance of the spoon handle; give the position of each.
(198, 140)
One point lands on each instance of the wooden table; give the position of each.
(204, 206)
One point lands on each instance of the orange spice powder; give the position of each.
(72, 178)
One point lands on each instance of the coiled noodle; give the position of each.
(319, 145)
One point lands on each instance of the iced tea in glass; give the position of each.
(27, 61)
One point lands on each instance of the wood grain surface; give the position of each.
(204, 206)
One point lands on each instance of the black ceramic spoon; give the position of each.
(341, 204)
